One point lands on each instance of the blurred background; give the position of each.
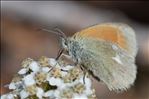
(21, 38)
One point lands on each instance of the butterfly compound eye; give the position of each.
(65, 43)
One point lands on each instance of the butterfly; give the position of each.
(107, 50)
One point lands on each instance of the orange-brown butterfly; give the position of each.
(107, 50)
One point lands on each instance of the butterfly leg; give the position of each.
(60, 52)
(84, 72)
(70, 59)
(67, 56)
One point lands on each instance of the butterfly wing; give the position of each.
(117, 33)
(108, 51)
(115, 68)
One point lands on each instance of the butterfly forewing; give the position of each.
(117, 33)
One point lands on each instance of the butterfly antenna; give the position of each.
(54, 32)
(61, 32)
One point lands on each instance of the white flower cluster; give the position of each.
(47, 79)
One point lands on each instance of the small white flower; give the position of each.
(29, 79)
(34, 66)
(39, 93)
(3, 96)
(55, 81)
(45, 69)
(64, 73)
(57, 94)
(78, 96)
(28, 84)
(24, 94)
(22, 71)
(12, 85)
(88, 84)
(49, 94)
(10, 96)
(52, 62)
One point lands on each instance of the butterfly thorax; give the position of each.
(74, 49)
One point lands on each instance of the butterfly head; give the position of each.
(64, 43)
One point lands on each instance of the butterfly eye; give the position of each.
(66, 43)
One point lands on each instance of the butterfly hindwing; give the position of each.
(116, 75)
